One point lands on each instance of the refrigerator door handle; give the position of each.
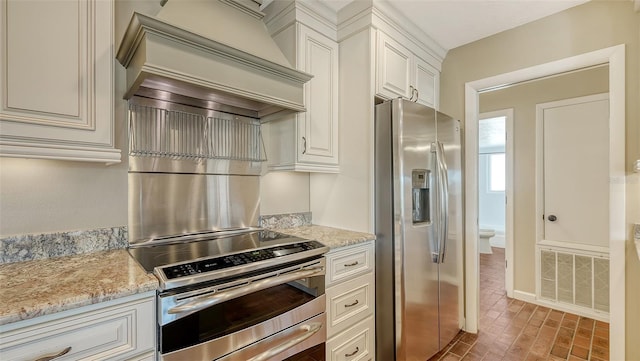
(443, 199)
(435, 202)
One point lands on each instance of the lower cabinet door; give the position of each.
(116, 332)
(354, 344)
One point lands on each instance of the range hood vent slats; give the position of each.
(156, 132)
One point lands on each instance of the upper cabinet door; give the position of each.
(394, 63)
(318, 126)
(401, 73)
(427, 82)
(308, 141)
(56, 99)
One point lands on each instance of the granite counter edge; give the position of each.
(334, 238)
(75, 303)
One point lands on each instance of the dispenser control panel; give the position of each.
(420, 198)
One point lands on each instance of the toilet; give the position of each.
(484, 246)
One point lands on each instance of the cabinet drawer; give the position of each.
(354, 344)
(349, 302)
(113, 332)
(348, 263)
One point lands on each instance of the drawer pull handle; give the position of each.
(351, 264)
(49, 358)
(197, 303)
(351, 305)
(353, 353)
(309, 330)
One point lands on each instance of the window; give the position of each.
(497, 172)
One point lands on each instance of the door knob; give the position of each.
(552, 218)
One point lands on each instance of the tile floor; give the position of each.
(510, 329)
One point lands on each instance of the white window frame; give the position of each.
(490, 173)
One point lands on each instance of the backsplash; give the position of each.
(28, 247)
(288, 220)
(39, 246)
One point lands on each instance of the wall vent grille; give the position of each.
(574, 278)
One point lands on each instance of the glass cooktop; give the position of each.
(232, 250)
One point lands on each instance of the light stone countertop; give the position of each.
(41, 287)
(329, 236)
(36, 288)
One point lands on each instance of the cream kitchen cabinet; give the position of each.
(57, 94)
(122, 329)
(350, 311)
(356, 343)
(401, 73)
(308, 141)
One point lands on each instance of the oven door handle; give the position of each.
(309, 330)
(200, 302)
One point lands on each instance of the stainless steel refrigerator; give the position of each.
(418, 192)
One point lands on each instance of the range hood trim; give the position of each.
(141, 24)
(142, 27)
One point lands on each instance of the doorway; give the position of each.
(495, 189)
(614, 57)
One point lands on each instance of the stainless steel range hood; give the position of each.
(210, 52)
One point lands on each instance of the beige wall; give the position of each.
(523, 98)
(591, 26)
(284, 192)
(41, 196)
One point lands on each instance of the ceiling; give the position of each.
(452, 23)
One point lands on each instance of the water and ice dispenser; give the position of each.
(420, 195)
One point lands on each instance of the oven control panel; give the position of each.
(238, 259)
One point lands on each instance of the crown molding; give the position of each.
(383, 16)
(393, 19)
(312, 13)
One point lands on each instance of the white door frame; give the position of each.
(508, 211)
(615, 57)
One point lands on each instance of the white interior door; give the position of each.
(575, 180)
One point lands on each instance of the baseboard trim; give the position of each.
(498, 241)
(524, 296)
(576, 310)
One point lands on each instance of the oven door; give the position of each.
(268, 315)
